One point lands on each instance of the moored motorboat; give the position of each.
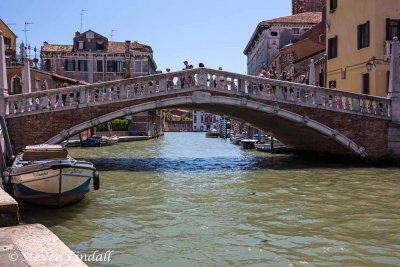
(272, 146)
(248, 143)
(95, 141)
(235, 138)
(47, 175)
(212, 133)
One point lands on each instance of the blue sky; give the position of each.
(213, 32)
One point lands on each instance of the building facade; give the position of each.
(203, 121)
(272, 35)
(301, 6)
(93, 58)
(10, 42)
(358, 44)
(40, 80)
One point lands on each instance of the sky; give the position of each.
(214, 32)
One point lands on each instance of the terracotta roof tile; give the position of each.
(56, 48)
(306, 17)
(113, 47)
(119, 47)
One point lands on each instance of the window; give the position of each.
(99, 46)
(392, 29)
(17, 86)
(332, 48)
(296, 31)
(7, 41)
(365, 84)
(145, 66)
(99, 66)
(47, 64)
(69, 65)
(195, 119)
(138, 66)
(37, 84)
(332, 5)
(274, 33)
(114, 66)
(82, 65)
(363, 35)
(81, 45)
(387, 81)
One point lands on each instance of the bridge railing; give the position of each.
(202, 78)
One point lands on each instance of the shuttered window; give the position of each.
(332, 47)
(363, 35)
(392, 29)
(365, 83)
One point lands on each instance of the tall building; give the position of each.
(358, 44)
(10, 41)
(93, 58)
(301, 6)
(272, 35)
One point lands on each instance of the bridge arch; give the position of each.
(299, 132)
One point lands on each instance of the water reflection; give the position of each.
(184, 200)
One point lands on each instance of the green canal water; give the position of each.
(185, 200)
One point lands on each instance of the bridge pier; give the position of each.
(394, 96)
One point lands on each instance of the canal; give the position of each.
(185, 200)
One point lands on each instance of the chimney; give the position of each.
(77, 34)
(127, 46)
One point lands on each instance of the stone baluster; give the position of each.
(355, 104)
(347, 103)
(162, 85)
(340, 99)
(21, 106)
(11, 107)
(82, 96)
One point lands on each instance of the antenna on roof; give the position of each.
(82, 10)
(26, 30)
(112, 34)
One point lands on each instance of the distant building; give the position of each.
(295, 59)
(93, 58)
(272, 35)
(178, 126)
(203, 121)
(359, 33)
(301, 6)
(40, 80)
(10, 42)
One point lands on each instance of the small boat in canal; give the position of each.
(212, 133)
(96, 141)
(47, 175)
(235, 138)
(272, 146)
(248, 143)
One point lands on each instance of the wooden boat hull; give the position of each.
(248, 144)
(52, 187)
(275, 149)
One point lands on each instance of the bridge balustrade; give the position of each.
(198, 79)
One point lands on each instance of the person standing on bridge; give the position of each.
(221, 80)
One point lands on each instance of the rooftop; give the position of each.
(311, 18)
(113, 47)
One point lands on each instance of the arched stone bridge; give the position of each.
(306, 118)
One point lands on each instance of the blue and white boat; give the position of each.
(47, 175)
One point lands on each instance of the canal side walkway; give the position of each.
(29, 245)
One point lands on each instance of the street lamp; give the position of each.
(369, 65)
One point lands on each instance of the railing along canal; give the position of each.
(202, 78)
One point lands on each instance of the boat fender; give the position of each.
(7, 183)
(96, 180)
(6, 177)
